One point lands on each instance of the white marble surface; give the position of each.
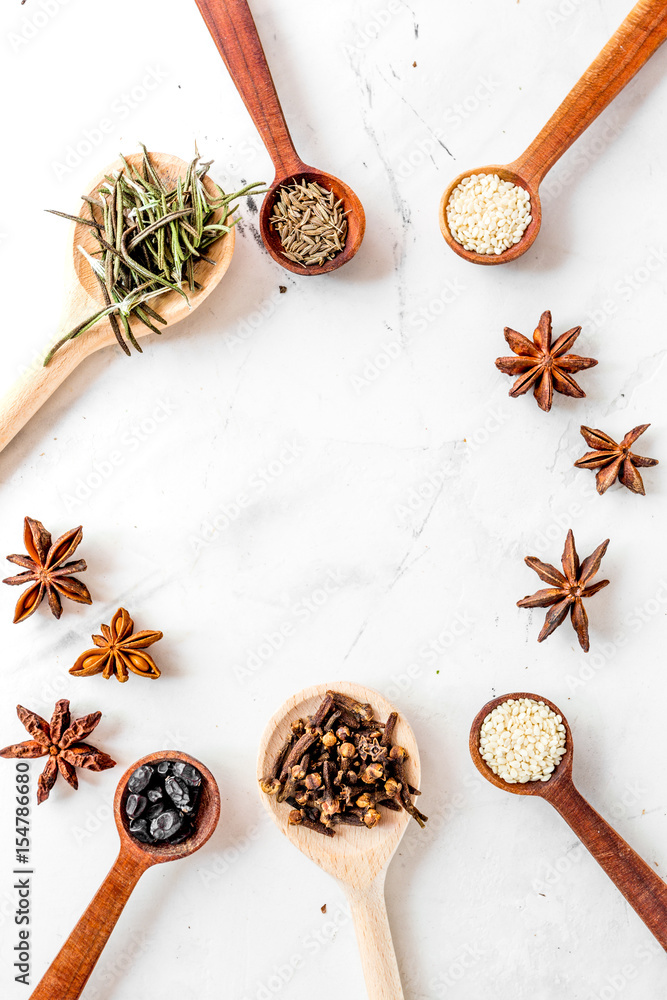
(393, 491)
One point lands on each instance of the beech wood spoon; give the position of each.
(68, 974)
(83, 299)
(641, 34)
(642, 887)
(357, 858)
(234, 32)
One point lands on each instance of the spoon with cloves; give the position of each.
(355, 856)
(233, 29)
(639, 36)
(642, 887)
(69, 972)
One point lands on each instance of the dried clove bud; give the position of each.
(314, 772)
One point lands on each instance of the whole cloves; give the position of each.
(340, 766)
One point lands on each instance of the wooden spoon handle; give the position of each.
(68, 973)
(234, 32)
(642, 32)
(376, 947)
(642, 887)
(34, 388)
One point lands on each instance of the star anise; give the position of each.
(62, 740)
(615, 460)
(544, 365)
(566, 593)
(118, 650)
(47, 571)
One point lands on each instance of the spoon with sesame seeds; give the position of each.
(69, 972)
(356, 857)
(633, 44)
(642, 887)
(233, 29)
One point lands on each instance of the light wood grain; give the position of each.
(355, 857)
(632, 45)
(642, 887)
(83, 299)
(234, 32)
(69, 972)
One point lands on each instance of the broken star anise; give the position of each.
(566, 592)
(615, 460)
(118, 650)
(62, 740)
(47, 571)
(543, 365)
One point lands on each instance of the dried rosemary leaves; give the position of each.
(310, 221)
(150, 235)
(340, 765)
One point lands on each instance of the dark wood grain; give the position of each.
(69, 972)
(639, 36)
(234, 32)
(643, 888)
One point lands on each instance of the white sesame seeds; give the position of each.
(488, 215)
(522, 741)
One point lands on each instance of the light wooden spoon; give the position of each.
(83, 298)
(234, 32)
(357, 858)
(641, 34)
(642, 887)
(69, 972)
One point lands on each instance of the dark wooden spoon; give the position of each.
(234, 32)
(641, 34)
(642, 887)
(69, 972)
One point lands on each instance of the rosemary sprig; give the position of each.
(149, 238)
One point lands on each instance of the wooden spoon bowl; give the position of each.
(69, 972)
(642, 887)
(83, 298)
(235, 34)
(506, 173)
(357, 858)
(352, 207)
(639, 36)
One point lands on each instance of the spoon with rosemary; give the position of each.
(153, 239)
(233, 29)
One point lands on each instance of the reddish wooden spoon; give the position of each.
(642, 887)
(69, 972)
(641, 34)
(234, 32)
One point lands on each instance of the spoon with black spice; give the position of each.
(167, 805)
(234, 32)
(349, 823)
(522, 743)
